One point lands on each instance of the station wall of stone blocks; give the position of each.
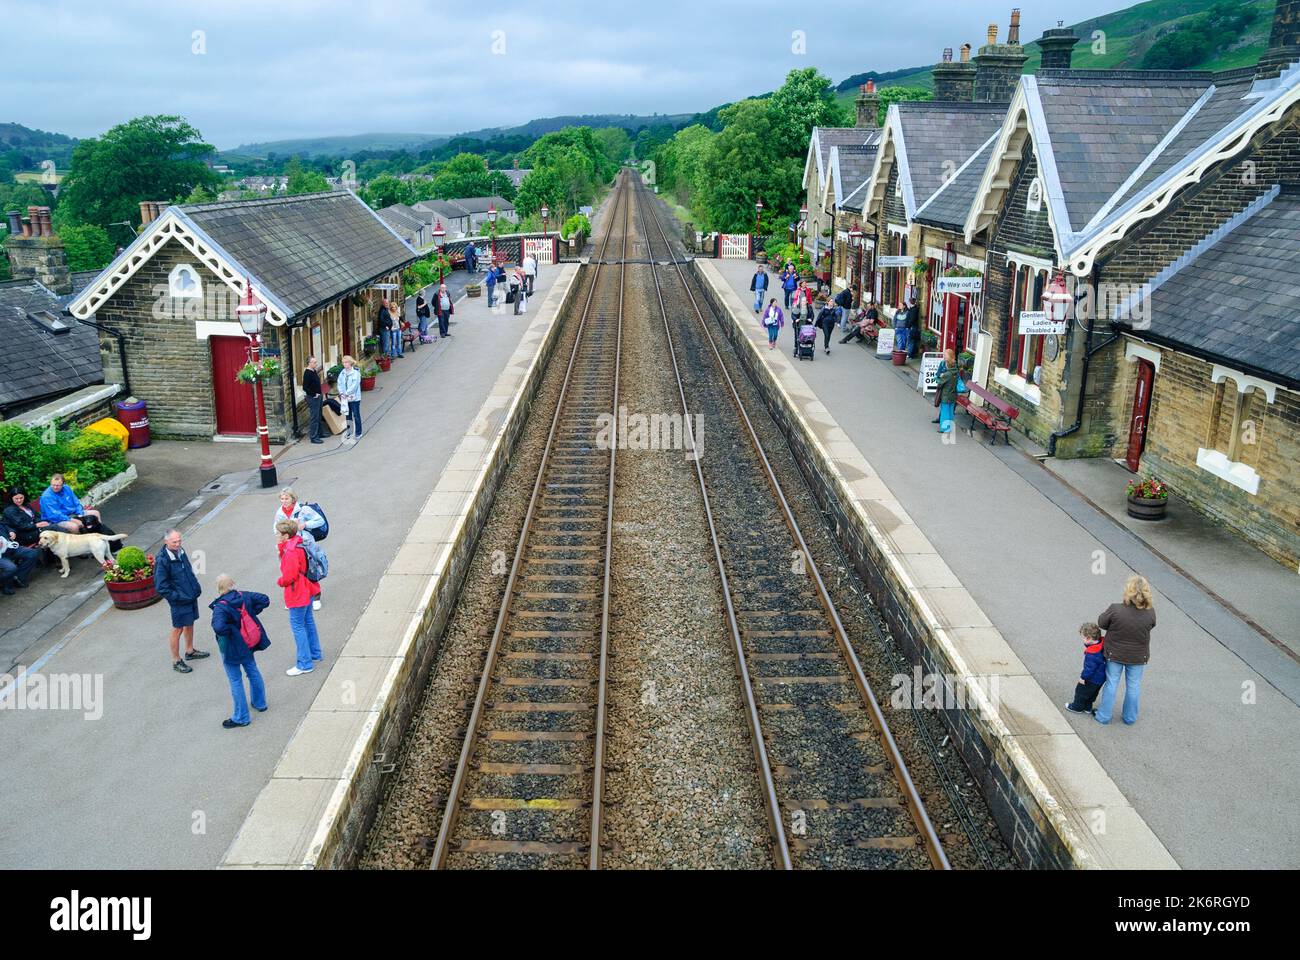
(1025, 825)
(1181, 407)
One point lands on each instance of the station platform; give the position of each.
(1211, 767)
(155, 781)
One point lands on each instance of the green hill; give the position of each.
(343, 146)
(1129, 34)
(22, 148)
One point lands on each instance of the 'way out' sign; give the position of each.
(959, 285)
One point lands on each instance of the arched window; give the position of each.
(184, 282)
(1034, 202)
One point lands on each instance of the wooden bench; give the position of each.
(996, 414)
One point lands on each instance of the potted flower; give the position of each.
(929, 339)
(1147, 499)
(920, 267)
(332, 374)
(370, 345)
(384, 361)
(474, 289)
(368, 373)
(129, 579)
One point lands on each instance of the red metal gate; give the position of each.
(233, 400)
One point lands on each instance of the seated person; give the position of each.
(22, 519)
(61, 509)
(16, 563)
(866, 326)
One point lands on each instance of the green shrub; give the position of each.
(31, 457)
(576, 224)
(131, 559)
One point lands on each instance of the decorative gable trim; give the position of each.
(878, 182)
(172, 225)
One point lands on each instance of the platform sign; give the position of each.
(959, 285)
(885, 342)
(1034, 323)
(891, 263)
(928, 379)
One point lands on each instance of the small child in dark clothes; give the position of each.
(1094, 670)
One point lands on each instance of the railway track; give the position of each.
(531, 767)
(836, 789)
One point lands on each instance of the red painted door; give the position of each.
(1137, 432)
(953, 318)
(234, 400)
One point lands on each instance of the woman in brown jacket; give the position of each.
(1128, 628)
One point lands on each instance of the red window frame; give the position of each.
(1027, 290)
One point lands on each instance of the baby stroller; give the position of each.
(805, 347)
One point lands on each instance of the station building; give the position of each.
(166, 305)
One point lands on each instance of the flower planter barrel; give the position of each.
(132, 594)
(385, 363)
(367, 383)
(899, 358)
(474, 290)
(1147, 508)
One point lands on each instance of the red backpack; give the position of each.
(248, 628)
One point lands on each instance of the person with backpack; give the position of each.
(239, 635)
(789, 283)
(442, 302)
(308, 517)
(299, 591)
(844, 304)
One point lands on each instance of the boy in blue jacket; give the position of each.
(1094, 670)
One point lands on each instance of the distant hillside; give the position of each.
(536, 128)
(22, 148)
(1129, 34)
(342, 146)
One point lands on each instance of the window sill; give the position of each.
(1236, 473)
(1018, 385)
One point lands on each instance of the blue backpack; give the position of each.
(318, 565)
(320, 533)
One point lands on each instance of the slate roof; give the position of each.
(515, 175)
(396, 216)
(36, 364)
(306, 250)
(823, 139)
(443, 208)
(1228, 303)
(1103, 125)
(950, 206)
(480, 204)
(851, 167)
(939, 137)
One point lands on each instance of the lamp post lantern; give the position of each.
(439, 240)
(1057, 299)
(252, 319)
(492, 227)
(546, 233)
(855, 241)
(758, 217)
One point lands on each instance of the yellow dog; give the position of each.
(65, 545)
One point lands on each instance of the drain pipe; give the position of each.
(1088, 351)
(121, 349)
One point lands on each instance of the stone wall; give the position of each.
(40, 258)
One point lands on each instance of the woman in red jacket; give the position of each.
(298, 595)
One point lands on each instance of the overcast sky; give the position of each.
(256, 70)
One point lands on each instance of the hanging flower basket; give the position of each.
(1147, 499)
(267, 368)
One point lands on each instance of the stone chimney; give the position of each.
(998, 65)
(1057, 45)
(516, 163)
(36, 253)
(954, 81)
(1284, 43)
(868, 104)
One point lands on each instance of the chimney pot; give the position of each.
(146, 214)
(15, 222)
(965, 53)
(993, 34)
(1013, 35)
(871, 86)
(947, 54)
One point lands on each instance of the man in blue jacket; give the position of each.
(61, 508)
(174, 579)
(759, 285)
(491, 281)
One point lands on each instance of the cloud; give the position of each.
(315, 67)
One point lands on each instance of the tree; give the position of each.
(542, 186)
(386, 190)
(614, 143)
(743, 163)
(804, 101)
(87, 245)
(20, 196)
(148, 158)
(303, 181)
(890, 95)
(200, 194)
(464, 175)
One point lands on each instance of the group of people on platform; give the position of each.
(22, 524)
(298, 527)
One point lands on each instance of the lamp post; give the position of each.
(439, 239)
(252, 319)
(1057, 299)
(492, 227)
(546, 233)
(758, 217)
(855, 241)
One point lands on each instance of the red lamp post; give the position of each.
(252, 319)
(758, 217)
(855, 241)
(439, 239)
(1057, 299)
(546, 219)
(492, 226)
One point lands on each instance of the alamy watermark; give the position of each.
(26, 690)
(654, 431)
(920, 690)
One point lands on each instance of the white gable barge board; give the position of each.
(1039, 774)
